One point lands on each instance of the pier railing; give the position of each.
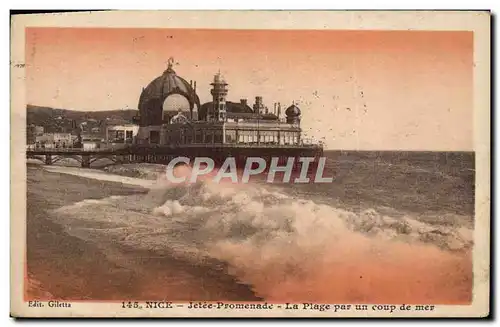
(109, 148)
(31, 148)
(165, 153)
(231, 145)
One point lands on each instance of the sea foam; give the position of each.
(288, 248)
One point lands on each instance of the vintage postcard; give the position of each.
(250, 164)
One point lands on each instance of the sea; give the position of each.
(392, 227)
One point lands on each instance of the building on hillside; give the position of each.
(54, 140)
(121, 134)
(91, 141)
(32, 131)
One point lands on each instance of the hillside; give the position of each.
(64, 120)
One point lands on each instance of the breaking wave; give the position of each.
(286, 247)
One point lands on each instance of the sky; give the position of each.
(366, 90)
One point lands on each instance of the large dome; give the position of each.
(153, 96)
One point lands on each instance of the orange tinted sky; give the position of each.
(357, 89)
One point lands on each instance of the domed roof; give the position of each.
(167, 83)
(233, 107)
(292, 111)
(153, 96)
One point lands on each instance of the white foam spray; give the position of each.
(288, 248)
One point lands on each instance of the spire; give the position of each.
(219, 79)
(170, 63)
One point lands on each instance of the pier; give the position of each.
(165, 153)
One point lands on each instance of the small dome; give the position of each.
(292, 111)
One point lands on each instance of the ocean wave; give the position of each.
(288, 248)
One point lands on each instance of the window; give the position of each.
(230, 136)
(154, 137)
(286, 138)
(198, 138)
(209, 137)
(120, 137)
(218, 137)
(128, 136)
(254, 137)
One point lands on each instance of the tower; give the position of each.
(219, 93)
(258, 107)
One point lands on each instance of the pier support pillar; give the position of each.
(85, 161)
(48, 159)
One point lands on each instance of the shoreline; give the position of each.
(102, 271)
(64, 267)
